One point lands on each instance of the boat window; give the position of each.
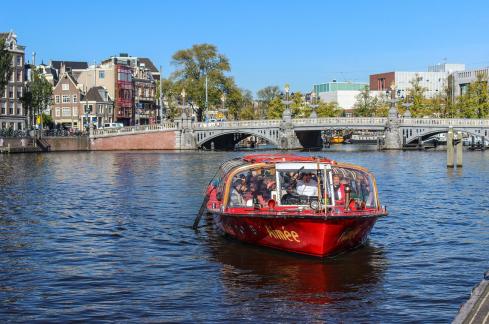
(253, 188)
(300, 183)
(360, 183)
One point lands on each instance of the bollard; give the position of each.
(483, 142)
(450, 148)
(459, 149)
(212, 146)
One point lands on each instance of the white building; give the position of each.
(345, 99)
(460, 81)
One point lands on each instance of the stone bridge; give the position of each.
(285, 133)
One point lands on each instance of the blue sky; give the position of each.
(267, 42)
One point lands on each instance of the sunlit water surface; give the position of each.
(107, 236)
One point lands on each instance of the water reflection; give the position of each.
(295, 277)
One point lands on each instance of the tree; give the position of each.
(193, 66)
(329, 109)
(265, 96)
(275, 108)
(474, 103)
(365, 105)
(416, 96)
(38, 95)
(5, 65)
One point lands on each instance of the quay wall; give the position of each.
(58, 144)
(147, 141)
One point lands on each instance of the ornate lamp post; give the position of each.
(223, 110)
(183, 94)
(313, 105)
(287, 114)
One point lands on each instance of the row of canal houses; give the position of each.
(119, 89)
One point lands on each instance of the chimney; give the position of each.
(34, 58)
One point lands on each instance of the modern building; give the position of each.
(338, 86)
(434, 81)
(459, 81)
(65, 108)
(345, 99)
(12, 113)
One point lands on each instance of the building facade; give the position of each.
(434, 81)
(98, 108)
(65, 107)
(12, 113)
(459, 81)
(338, 86)
(346, 99)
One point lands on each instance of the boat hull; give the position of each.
(313, 236)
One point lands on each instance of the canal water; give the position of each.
(107, 236)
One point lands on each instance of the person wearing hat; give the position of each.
(306, 186)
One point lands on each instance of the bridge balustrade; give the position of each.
(238, 124)
(374, 121)
(134, 129)
(445, 122)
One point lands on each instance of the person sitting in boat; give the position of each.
(306, 186)
(338, 189)
(236, 198)
(254, 196)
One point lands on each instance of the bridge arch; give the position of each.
(232, 137)
(412, 136)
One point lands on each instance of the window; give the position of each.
(19, 126)
(101, 74)
(11, 107)
(3, 111)
(75, 111)
(19, 75)
(10, 92)
(87, 108)
(66, 99)
(56, 99)
(58, 112)
(65, 86)
(75, 99)
(66, 112)
(19, 110)
(18, 59)
(100, 109)
(19, 93)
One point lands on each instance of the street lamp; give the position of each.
(183, 94)
(313, 105)
(287, 115)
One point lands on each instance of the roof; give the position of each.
(271, 158)
(93, 94)
(74, 65)
(148, 64)
(69, 76)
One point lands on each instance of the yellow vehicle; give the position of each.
(337, 139)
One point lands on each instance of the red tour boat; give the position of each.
(308, 205)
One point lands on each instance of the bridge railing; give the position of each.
(445, 122)
(238, 124)
(134, 129)
(373, 121)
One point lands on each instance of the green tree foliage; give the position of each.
(38, 95)
(265, 96)
(416, 96)
(5, 65)
(365, 105)
(297, 106)
(193, 65)
(474, 103)
(275, 108)
(330, 109)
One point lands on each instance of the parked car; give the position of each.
(113, 125)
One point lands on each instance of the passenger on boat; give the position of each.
(237, 199)
(254, 196)
(338, 189)
(307, 186)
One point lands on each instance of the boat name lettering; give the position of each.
(283, 234)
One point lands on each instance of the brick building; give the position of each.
(65, 108)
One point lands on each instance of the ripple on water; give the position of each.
(112, 241)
